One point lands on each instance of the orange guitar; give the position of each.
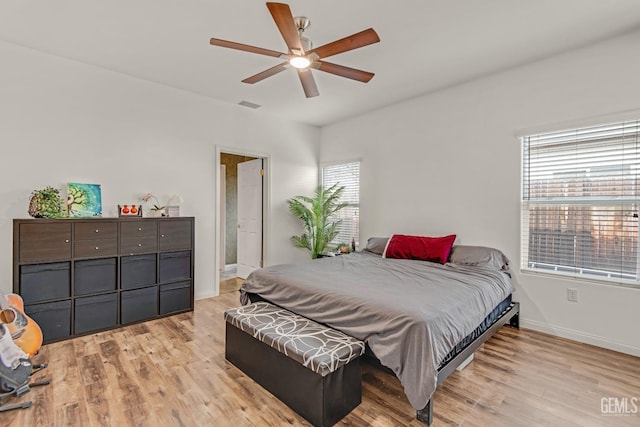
(24, 330)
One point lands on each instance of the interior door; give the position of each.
(222, 203)
(249, 217)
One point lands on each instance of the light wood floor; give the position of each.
(230, 285)
(172, 372)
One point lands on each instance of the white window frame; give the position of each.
(625, 201)
(325, 165)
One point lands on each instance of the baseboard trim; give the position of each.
(204, 295)
(580, 336)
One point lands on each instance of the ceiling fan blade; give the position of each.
(245, 47)
(354, 41)
(283, 18)
(266, 73)
(341, 70)
(308, 83)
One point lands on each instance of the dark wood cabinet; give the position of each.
(139, 236)
(139, 245)
(78, 276)
(95, 248)
(95, 239)
(174, 236)
(35, 246)
(139, 228)
(92, 230)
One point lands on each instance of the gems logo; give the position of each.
(619, 406)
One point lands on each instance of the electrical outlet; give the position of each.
(572, 295)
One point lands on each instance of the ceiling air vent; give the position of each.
(249, 104)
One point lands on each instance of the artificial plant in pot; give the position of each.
(316, 213)
(46, 203)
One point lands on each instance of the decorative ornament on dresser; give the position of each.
(173, 205)
(84, 200)
(156, 210)
(130, 210)
(171, 208)
(46, 203)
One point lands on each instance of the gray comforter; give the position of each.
(411, 313)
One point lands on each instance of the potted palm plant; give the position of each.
(316, 213)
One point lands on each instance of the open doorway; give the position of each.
(241, 218)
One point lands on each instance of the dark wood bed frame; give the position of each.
(510, 315)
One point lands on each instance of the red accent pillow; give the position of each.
(436, 249)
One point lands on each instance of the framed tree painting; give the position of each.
(84, 200)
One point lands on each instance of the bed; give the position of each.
(419, 318)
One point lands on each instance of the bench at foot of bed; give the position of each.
(313, 369)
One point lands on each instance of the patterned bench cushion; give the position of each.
(317, 347)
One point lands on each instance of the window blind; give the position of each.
(346, 175)
(580, 202)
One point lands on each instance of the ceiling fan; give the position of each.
(302, 56)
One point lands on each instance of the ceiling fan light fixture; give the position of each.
(301, 54)
(300, 62)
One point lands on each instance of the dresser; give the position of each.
(78, 276)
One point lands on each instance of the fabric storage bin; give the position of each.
(44, 282)
(175, 297)
(96, 312)
(140, 304)
(93, 276)
(137, 271)
(54, 318)
(175, 266)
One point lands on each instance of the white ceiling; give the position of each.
(425, 44)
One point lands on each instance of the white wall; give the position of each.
(449, 162)
(62, 121)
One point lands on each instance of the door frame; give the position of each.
(266, 196)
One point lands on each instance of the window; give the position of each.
(346, 175)
(580, 202)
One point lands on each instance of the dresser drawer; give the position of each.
(43, 282)
(138, 246)
(95, 313)
(95, 230)
(95, 248)
(139, 304)
(175, 266)
(45, 242)
(54, 318)
(140, 228)
(92, 276)
(175, 297)
(175, 234)
(137, 271)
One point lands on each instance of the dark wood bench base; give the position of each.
(323, 401)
